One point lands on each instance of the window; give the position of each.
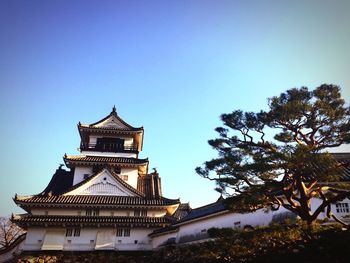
(72, 232)
(137, 212)
(237, 224)
(69, 232)
(119, 232)
(86, 176)
(126, 232)
(77, 232)
(136, 241)
(92, 212)
(342, 207)
(107, 144)
(140, 212)
(69, 241)
(144, 212)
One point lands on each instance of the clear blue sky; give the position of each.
(170, 66)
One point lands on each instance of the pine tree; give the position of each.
(279, 157)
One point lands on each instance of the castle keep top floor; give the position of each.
(111, 136)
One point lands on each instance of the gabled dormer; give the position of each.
(111, 135)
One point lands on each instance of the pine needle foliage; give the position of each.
(280, 157)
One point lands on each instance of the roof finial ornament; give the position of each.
(114, 109)
(155, 172)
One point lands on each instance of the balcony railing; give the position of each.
(108, 147)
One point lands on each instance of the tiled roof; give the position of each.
(95, 200)
(109, 129)
(54, 220)
(183, 210)
(59, 183)
(206, 210)
(114, 114)
(344, 159)
(168, 229)
(103, 159)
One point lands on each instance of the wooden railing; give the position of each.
(108, 147)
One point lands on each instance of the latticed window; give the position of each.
(92, 212)
(144, 212)
(69, 232)
(119, 232)
(72, 232)
(126, 232)
(137, 212)
(342, 207)
(77, 232)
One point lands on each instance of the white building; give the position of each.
(107, 200)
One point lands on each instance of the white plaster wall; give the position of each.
(315, 203)
(109, 154)
(87, 239)
(228, 219)
(160, 240)
(79, 173)
(34, 239)
(132, 174)
(83, 242)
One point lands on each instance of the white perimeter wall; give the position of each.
(228, 219)
(87, 239)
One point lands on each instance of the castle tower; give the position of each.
(106, 200)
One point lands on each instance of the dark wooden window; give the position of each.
(92, 212)
(77, 232)
(126, 232)
(137, 212)
(110, 144)
(144, 212)
(69, 232)
(119, 232)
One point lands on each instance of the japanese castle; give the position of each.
(106, 200)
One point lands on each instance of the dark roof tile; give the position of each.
(54, 220)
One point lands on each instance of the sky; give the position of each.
(170, 66)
